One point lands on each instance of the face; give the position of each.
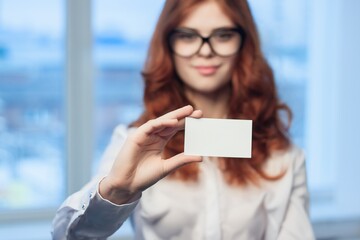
(205, 72)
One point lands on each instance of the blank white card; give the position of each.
(218, 137)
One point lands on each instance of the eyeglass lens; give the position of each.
(223, 42)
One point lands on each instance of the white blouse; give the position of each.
(208, 209)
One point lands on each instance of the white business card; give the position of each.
(218, 137)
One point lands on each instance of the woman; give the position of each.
(205, 54)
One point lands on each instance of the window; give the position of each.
(310, 46)
(47, 93)
(32, 127)
(120, 46)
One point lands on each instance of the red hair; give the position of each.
(253, 93)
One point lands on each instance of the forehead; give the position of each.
(205, 17)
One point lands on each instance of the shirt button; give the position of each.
(91, 195)
(83, 207)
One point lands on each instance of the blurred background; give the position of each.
(70, 72)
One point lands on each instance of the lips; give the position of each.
(207, 70)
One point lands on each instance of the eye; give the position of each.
(185, 36)
(224, 35)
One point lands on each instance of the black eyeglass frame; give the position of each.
(204, 40)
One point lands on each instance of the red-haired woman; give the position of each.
(204, 55)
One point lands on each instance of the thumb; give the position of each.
(179, 160)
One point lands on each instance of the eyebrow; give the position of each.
(214, 30)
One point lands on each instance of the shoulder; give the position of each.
(121, 131)
(292, 154)
(118, 138)
(292, 157)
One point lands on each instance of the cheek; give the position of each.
(181, 67)
(227, 70)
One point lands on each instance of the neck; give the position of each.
(213, 105)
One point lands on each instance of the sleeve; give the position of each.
(85, 214)
(296, 224)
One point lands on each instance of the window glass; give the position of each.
(122, 31)
(283, 31)
(31, 104)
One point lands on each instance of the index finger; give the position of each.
(179, 113)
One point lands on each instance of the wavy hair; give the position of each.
(253, 93)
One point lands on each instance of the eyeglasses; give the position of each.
(223, 41)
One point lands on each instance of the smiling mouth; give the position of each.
(207, 70)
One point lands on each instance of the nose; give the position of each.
(205, 50)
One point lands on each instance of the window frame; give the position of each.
(79, 107)
(78, 104)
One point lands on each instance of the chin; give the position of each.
(208, 90)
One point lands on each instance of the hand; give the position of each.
(139, 164)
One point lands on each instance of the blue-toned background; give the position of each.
(313, 47)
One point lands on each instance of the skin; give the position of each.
(139, 164)
(209, 92)
(206, 77)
